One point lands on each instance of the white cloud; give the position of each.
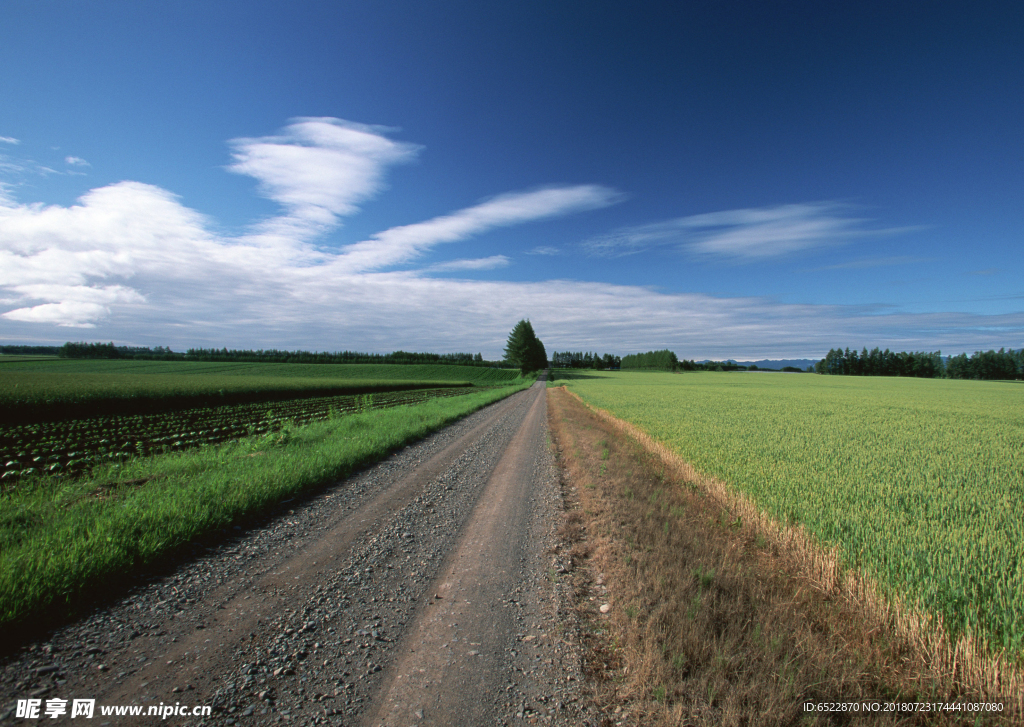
(9, 140)
(76, 162)
(121, 229)
(873, 263)
(76, 306)
(386, 311)
(318, 169)
(133, 251)
(483, 263)
(139, 267)
(743, 235)
(544, 250)
(401, 244)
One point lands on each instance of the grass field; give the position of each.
(8, 358)
(62, 537)
(412, 372)
(918, 483)
(46, 390)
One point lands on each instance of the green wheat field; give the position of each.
(920, 483)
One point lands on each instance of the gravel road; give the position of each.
(427, 590)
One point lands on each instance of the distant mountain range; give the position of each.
(800, 363)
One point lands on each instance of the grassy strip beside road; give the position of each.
(62, 539)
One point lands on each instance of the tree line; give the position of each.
(109, 350)
(663, 360)
(525, 351)
(349, 357)
(686, 365)
(1001, 364)
(162, 353)
(666, 360)
(584, 360)
(989, 365)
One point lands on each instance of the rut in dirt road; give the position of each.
(326, 614)
(456, 646)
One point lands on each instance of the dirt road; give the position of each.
(422, 591)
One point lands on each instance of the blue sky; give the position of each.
(746, 180)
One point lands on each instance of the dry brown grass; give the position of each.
(711, 622)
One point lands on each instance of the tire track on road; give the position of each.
(456, 647)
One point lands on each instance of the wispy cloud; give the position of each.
(743, 235)
(9, 167)
(22, 167)
(404, 243)
(878, 262)
(9, 140)
(544, 250)
(484, 263)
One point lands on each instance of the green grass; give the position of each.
(411, 372)
(918, 482)
(9, 358)
(69, 389)
(62, 538)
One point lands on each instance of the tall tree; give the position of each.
(524, 349)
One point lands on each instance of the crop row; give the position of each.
(190, 369)
(73, 447)
(27, 396)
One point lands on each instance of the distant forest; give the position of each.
(581, 360)
(666, 360)
(988, 365)
(663, 360)
(162, 353)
